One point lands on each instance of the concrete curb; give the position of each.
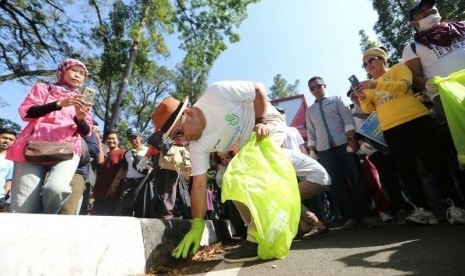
(36, 244)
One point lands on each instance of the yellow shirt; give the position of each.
(393, 99)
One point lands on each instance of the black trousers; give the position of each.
(125, 206)
(418, 137)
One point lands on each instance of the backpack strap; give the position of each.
(413, 45)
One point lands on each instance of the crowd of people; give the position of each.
(413, 177)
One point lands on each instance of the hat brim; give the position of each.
(181, 111)
(420, 4)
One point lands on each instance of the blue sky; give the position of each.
(295, 38)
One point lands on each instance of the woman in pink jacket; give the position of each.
(55, 112)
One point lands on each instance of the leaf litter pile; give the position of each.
(203, 261)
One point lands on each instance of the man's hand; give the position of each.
(262, 130)
(354, 145)
(191, 238)
(431, 89)
(367, 149)
(143, 162)
(312, 154)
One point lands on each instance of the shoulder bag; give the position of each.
(176, 159)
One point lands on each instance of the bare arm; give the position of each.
(260, 101)
(303, 149)
(100, 157)
(260, 104)
(199, 196)
(417, 71)
(7, 186)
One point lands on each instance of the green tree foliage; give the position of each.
(125, 58)
(393, 25)
(148, 22)
(148, 88)
(5, 123)
(191, 80)
(120, 41)
(281, 88)
(202, 27)
(35, 35)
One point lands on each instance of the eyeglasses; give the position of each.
(179, 132)
(369, 62)
(315, 87)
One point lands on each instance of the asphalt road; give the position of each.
(388, 250)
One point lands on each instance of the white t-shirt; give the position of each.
(438, 61)
(6, 173)
(307, 167)
(230, 119)
(132, 172)
(293, 139)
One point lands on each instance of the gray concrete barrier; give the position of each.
(33, 244)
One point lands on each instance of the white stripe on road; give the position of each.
(224, 268)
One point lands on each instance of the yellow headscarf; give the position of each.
(377, 52)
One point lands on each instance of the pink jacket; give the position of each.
(55, 126)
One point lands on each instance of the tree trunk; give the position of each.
(122, 91)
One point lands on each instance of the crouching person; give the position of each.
(313, 181)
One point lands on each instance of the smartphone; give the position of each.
(89, 94)
(354, 81)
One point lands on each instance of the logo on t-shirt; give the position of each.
(232, 119)
(457, 43)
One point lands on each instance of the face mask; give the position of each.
(429, 22)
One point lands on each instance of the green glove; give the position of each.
(192, 237)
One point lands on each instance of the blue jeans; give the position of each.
(353, 198)
(33, 192)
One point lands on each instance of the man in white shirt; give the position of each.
(7, 138)
(293, 140)
(222, 120)
(438, 50)
(313, 181)
(133, 175)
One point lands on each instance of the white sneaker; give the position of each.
(385, 217)
(422, 216)
(455, 214)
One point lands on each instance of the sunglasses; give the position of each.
(179, 132)
(315, 87)
(369, 62)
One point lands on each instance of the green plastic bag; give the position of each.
(452, 91)
(263, 178)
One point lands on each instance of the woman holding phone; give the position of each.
(55, 113)
(409, 131)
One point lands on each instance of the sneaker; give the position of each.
(370, 222)
(316, 233)
(422, 216)
(385, 217)
(455, 214)
(246, 253)
(350, 225)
